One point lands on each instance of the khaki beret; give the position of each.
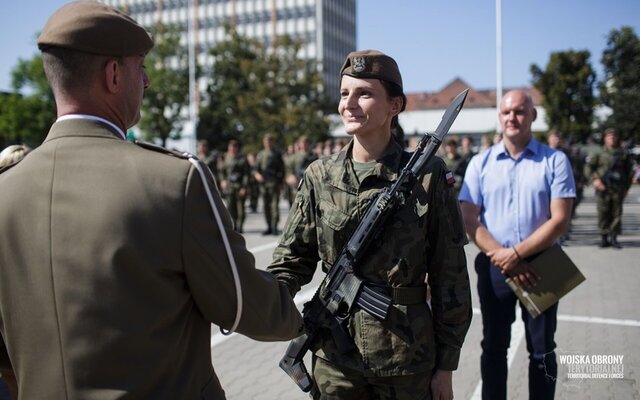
(96, 28)
(371, 64)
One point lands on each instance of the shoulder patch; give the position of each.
(160, 149)
(450, 178)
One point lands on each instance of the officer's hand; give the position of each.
(442, 385)
(223, 185)
(598, 185)
(259, 177)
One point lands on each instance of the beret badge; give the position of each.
(358, 64)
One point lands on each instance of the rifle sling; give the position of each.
(403, 295)
(409, 295)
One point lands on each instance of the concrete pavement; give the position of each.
(599, 322)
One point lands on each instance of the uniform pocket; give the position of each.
(331, 230)
(332, 216)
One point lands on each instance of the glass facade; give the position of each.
(327, 27)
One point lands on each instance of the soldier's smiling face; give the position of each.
(365, 107)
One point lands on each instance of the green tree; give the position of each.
(566, 85)
(168, 94)
(253, 91)
(620, 88)
(27, 113)
(298, 106)
(227, 111)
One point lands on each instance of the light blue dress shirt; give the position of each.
(515, 196)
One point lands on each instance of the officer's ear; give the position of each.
(534, 114)
(113, 75)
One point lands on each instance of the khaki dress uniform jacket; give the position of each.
(113, 270)
(426, 236)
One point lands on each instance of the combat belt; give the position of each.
(341, 290)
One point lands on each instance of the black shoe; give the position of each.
(267, 232)
(615, 243)
(604, 242)
(275, 232)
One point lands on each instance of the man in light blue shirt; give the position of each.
(516, 200)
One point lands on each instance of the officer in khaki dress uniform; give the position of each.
(610, 169)
(410, 355)
(112, 257)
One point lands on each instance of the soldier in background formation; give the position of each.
(577, 160)
(269, 173)
(234, 175)
(210, 158)
(610, 171)
(254, 187)
(297, 163)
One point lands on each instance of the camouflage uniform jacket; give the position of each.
(235, 170)
(613, 166)
(426, 236)
(270, 164)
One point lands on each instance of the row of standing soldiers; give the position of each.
(269, 172)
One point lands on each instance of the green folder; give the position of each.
(558, 276)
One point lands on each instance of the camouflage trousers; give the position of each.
(609, 206)
(235, 204)
(271, 198)
(337, 383)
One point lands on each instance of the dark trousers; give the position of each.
(271, 198)
(497, 303)
(4, 390)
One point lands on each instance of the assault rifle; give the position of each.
(341, 289)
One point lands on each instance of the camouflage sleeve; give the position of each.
(448, 277)
(257, 166)
(590, 166)
(296, 257)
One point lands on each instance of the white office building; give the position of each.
(326, 27)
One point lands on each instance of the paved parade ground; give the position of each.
(598, 333)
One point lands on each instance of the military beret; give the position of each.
(96, 28)
(371, 64)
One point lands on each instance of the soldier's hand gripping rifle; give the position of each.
(341, 290)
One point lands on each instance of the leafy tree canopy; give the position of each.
(566, 85)
(26, 114)
(253, 91)
(620, 88)
(168, 94)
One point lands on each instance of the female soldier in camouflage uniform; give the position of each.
(411, 354)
